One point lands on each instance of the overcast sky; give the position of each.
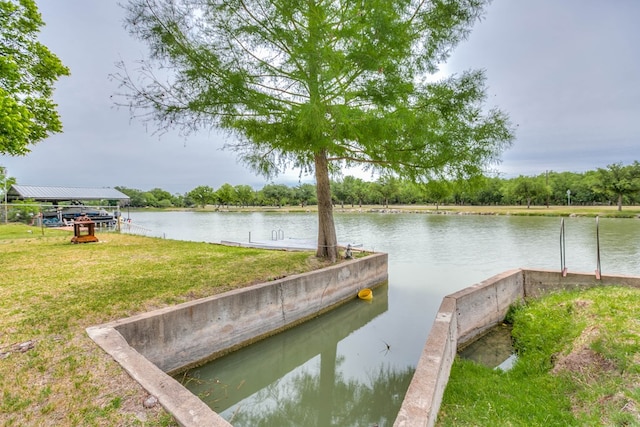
(566, 71)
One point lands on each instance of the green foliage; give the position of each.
(513, 311)
(586, 189)
(28, 71)
(226, 194)
(319, 85)
(161, 195)
(293, 79)
(437, 191)
(245, 194)
(202, 195)
(387, 186)
(156, 197)
(620, 181)
(276, 194)
(551, 187)
(136, 197)
(304, 194)
(23, 211)
(525, 189)
(350, 189)
(542, 330)
(5, 184)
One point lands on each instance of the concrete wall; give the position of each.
(480, 307)
(541, 282)
(465, 315)
(424, 394)
(152, 344)
(189, 333)
(462, 316)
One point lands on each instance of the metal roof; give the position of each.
(59, 194)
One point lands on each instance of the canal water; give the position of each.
(352, 366)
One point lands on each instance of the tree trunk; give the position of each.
(619, 202)
(327, 242)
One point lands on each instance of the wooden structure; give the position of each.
(72, 199)
(84, 230)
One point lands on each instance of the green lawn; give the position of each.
(51, 290)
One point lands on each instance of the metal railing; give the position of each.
(563, 247)
(598, 268)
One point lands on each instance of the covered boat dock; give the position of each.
(61, 205)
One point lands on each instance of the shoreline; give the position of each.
(630, 212)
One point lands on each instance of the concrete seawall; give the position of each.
(465, 315)
(153, 344)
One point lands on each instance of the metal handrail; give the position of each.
(563, 246)
(563, 259)
(598, 267)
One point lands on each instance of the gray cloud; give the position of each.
(567, 72)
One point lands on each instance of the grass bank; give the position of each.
(51, 373)
(562, 211)
(566, 211)
(578, 364)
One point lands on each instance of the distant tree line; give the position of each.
(617, 184)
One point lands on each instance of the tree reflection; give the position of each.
(296, 378)
(306, 401)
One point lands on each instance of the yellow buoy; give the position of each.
(365, 294)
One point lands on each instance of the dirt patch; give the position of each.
(582, 304)
(583, 361)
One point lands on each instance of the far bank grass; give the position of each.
(51, 290)
(565, 211)
(578, 365)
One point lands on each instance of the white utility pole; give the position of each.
(4, 180)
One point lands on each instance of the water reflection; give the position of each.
(348, 403)
(299, 380)
(493, 349)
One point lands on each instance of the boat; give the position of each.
(365, 294)
(62, 216)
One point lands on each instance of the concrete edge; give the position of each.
(426, 388)
(186, 408)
